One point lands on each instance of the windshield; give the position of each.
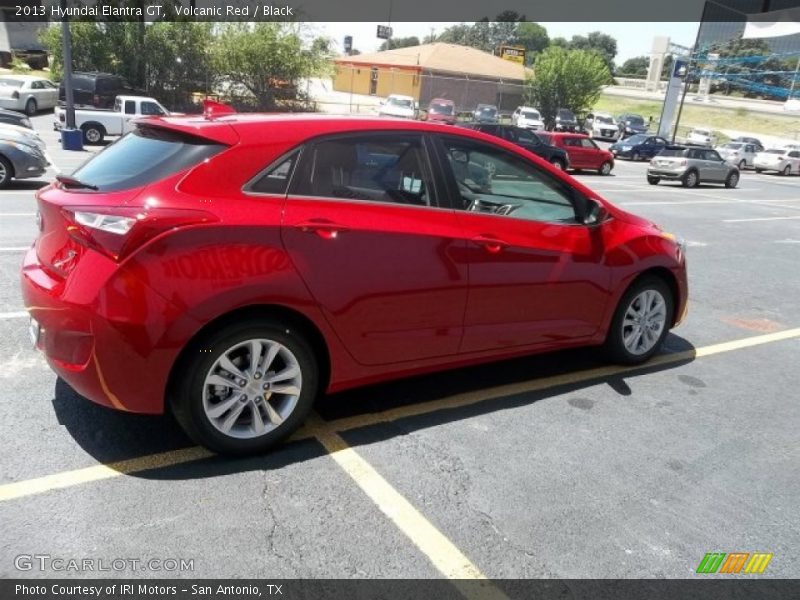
(441, 109)
(565, 115)
(487, 110)
(606, 120)
(145, 155)
(4, 81)
(531, 114)
(404, 102)
(732, 146)
(634, 120)
(701, 131)
(636, 139)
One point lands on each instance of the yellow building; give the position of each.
(465, 75)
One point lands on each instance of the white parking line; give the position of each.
(14, 315)
(760, 219)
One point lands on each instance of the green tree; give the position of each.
(599, 42)
(404, 42)
(565, 78)
(533, 37)
(268, 59)
(635, 67)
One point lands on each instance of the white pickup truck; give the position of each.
(96, 124)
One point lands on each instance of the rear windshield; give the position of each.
(531, 114)
(605, 120)
(143, 156)
(673, 152)
(5, 82)
(634, 120)
(441, 109)
(487, 110)
(399, 102)
(565, 114)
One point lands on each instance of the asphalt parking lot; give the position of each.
(551, 466)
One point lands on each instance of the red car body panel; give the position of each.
(402, 290)
(580, 157)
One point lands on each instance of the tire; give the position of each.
(658, 320)
(732, 180)
(31, 107)
(558, 164)
(786, 170)
(93, 133)
(193, 399)
(635, 156)
(6, 172)
(690, 180)
(742, 164)
(653, 180)
(605, 168)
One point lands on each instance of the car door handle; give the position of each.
(327, 230)
(492, 245)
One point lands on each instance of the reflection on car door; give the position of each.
(363, 227)
(717, 168)
(536, 276)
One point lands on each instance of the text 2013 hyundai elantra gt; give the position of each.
(233, 268)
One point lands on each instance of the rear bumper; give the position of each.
(663, 174)
(12, 103)
(102, 331)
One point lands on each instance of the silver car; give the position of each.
(691, 166)
(20, 159)
(27, 93)
(740, 154)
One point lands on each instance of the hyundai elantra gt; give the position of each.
(231, 269)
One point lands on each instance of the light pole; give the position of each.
(71, 138)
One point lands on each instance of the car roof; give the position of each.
(565, 134)
(527, 108)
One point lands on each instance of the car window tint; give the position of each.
(379, 168)
(145, 155)
(523, 135)
(572, 142)
(130, 107)
(275, 180)
(587, 143)
(713, 155)
(36, 85)
(491, 180)
(151, 108)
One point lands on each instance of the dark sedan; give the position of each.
(525, 139)
(638, 147)
(630, 124)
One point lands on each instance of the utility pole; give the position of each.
(66, 38)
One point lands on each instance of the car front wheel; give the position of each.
(605, 168)
(732, 180)
(641, 321)
(653, 180)
(558, 164)
(245, 388)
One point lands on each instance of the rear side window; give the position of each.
(275, 180)
(673, 152)
(143, 156)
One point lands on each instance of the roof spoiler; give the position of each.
(213, 109)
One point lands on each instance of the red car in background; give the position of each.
(441, 110)
(583, 152)
(231, 269)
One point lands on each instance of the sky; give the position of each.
(633, 39)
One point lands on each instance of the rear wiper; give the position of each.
(75, 183)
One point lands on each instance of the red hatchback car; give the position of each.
(232, 268)
(582, 151)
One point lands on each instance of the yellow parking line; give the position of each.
(65, 479)
(442, 553)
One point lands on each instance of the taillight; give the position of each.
(118, 231)
(15, 95)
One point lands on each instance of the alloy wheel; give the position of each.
(252, 388)
(644, 321)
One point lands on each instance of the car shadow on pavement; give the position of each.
(109, 435)
(26, 185)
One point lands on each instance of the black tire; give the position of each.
(786, 170)
(186, 397)
(558, 164)
(614, 345)
(605, 168)
(31, 107)
(690, 179)
(6, 172)
(93, 133)
(653, 180)
(732, 180)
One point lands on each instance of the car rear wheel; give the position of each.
(245, 388)
(92, 133)
(653, 180)
(558, 164)
(641, 321)
(786, 170)
(732, 180)
(605, 168)
(690, 180)
(6, 172)
(635, 156)
(31, 107)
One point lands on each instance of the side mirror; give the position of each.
(590, 212)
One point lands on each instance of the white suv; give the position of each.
(527, 118)
(396, 105)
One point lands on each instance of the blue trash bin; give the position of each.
(72, 139)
